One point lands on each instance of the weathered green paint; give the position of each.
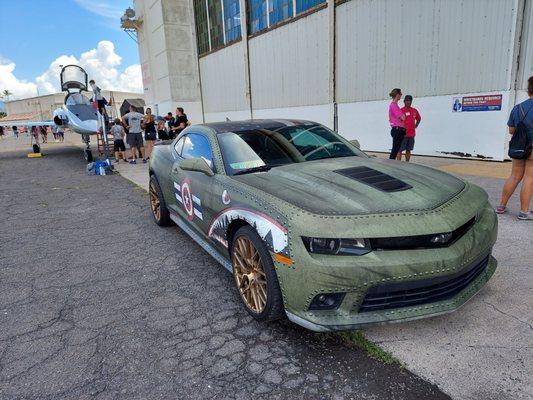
(309, 199)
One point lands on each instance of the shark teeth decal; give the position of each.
(272, 232)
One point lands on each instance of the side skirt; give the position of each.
(202, 242)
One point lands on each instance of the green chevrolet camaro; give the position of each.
(313, 228)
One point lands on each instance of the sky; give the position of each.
(36, 36)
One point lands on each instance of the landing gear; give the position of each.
(87, 152)
(88, 156)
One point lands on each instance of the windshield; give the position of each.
(271, 148)
(76, 99)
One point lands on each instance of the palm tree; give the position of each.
(6, 93)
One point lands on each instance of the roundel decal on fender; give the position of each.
(186, 196)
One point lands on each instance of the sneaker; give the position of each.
(524, 216)
(133, 162)
(144, 161)
(116, 161)
(501, 210)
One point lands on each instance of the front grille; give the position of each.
(407, 294)
(374, 178)
(420, 241)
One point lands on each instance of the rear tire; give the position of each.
(255, 275)
(157, 204)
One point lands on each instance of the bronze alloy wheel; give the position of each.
(249, 274)
(154, 202)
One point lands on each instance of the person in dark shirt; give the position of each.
(150, 135)
(180, 122)
(162, 130)
(170, 121)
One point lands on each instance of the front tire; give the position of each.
(88, 156)
(255, 275)
(157, 204)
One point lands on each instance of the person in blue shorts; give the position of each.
(522, 170)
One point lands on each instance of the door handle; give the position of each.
(175, 170)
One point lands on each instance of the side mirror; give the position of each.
(196, 164)
(356, 143)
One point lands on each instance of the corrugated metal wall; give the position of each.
(426, 47)
(222, 74)
(526, 51)
(289, 65)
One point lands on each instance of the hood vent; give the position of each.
(374, 178)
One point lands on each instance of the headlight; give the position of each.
(341, 247)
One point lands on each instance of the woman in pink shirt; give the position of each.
(396, 119)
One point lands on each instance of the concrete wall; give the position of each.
(167, 49)
(441, 131)
(41, 106)
(48, 103)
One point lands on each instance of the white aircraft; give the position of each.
(78, 113)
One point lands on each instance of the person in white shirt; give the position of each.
(97, 96)
(134, 138)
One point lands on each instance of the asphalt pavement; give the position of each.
(98, 302)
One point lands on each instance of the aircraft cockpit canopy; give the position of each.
(73, 79)
(73, 99)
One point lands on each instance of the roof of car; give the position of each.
(251, 124)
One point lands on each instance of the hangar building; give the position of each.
(39, 108)
(465, 62)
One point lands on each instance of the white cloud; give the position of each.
(102, 8)
(131, 79)
(8, 81)
(101, 63)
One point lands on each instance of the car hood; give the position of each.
(320, 187)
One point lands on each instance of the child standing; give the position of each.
(412, 120)
(162, 130)
(118, 140)
(60, 133)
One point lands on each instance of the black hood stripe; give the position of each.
(374, 178)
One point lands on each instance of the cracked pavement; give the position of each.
(97, 302)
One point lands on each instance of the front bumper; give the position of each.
(356, 275)
(329, 323)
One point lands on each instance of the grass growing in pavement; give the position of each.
(373, 350)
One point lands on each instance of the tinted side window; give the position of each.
(179, 145)
(197, 146)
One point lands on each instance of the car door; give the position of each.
(175, 154)
(193, 200)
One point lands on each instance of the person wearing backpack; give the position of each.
(521, 127)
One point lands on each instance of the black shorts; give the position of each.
(118, 145)
(135, 140)
(150, 136)
(101, 104)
